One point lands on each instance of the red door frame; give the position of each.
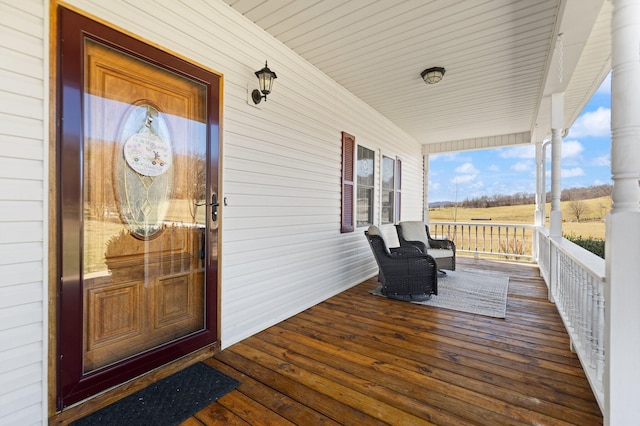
(72, 384)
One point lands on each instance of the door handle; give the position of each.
(214, 206)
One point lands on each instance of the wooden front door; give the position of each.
(137, 161)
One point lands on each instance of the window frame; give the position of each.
(397, 213)
(358, 186)
(350, 186)
(387, 193)
(397, 189)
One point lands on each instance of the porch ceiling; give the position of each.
(500, 57)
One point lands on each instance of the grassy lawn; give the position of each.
(591, 226)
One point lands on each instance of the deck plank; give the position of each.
(359, 359)
(286, 407)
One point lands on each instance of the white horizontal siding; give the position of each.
(23, 117)
(282, 249)
(22, 406)
(17, 315)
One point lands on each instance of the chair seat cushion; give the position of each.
(440, 253)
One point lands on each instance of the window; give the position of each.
(361, 189)
(365, 185)
(388, 190)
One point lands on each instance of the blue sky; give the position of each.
(586, 160)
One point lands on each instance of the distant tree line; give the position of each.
(520, 198)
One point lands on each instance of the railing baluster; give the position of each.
(484, 238)
(601, 328)
(468, 238)
(476, 228)
(491, 242)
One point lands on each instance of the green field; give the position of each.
(591, 223)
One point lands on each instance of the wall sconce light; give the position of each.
(265, 80)
(432, 75)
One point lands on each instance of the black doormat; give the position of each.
(167, 402)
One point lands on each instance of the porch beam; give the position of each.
(622, 292)
(495, 141)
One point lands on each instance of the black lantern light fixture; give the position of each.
(265, 80)
(432, 75)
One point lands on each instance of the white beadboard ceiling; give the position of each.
(503, 58)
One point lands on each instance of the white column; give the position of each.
(557, 113)
(540, 186)
(622, 290)
(425, 178)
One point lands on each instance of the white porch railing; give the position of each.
(544, 255)
(576, 279)
(507, 241)
(574, 276)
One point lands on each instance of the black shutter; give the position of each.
(348, 185)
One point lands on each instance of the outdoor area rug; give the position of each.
(476, 292)
(167, 402)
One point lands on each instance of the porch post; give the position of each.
(622, 247)
(425, 184)
(557, 112)
(540, 186)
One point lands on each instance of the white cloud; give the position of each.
(494, 168)
(569, 173)
(464, 178)
(522, 166)
(477, 185)
(604, 160)
(466, 168)
(434, 185)
(593, 123)
(527, 151)
(571, 149)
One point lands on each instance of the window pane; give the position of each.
(387, 206)
(365, 206)
(388, 169)
(365, 166)
(366, 182)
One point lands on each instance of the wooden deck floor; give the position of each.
(358, 359)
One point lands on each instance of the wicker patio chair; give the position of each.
(404, 272)
(416, 234)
